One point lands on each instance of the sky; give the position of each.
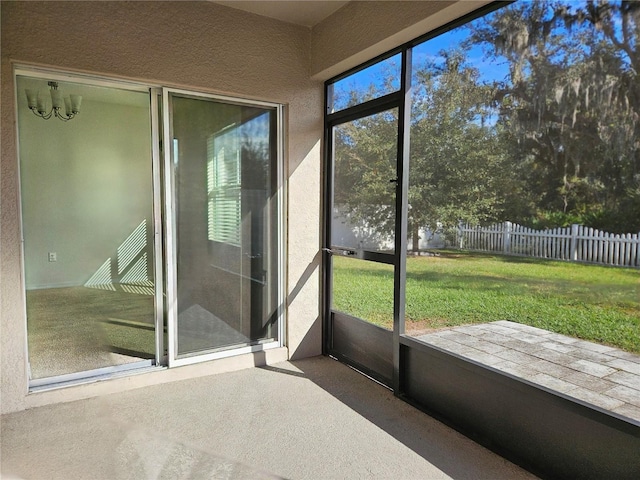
(494, 69)
(490, 70)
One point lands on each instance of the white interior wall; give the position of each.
(86, 186)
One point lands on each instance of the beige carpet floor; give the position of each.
(76, 329)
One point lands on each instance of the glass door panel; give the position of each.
(225, 187)
(87, 218)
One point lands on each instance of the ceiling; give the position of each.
(300, 12)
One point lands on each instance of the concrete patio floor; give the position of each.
(599, 375)
(313, 418)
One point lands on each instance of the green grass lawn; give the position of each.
(600, 304)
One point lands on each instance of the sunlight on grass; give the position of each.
(600, 304)
(366, 290)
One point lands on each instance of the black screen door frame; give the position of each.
(365, 346)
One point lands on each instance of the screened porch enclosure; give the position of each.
(479, 328)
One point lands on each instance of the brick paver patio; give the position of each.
(599, 375)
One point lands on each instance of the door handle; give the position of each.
(345, 252)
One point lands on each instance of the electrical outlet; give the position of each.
(53, 257)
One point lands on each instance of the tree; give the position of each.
(556, 142)
(458, 169)
(572, 103)
(365, 152)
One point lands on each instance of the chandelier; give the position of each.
(37, 104)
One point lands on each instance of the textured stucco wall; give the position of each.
(362, 30)
(197, 45)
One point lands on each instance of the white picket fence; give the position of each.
(576, 243)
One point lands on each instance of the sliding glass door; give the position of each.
(87, 192)
(222, 165)
(152, 226)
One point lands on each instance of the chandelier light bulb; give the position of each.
(38, 105)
